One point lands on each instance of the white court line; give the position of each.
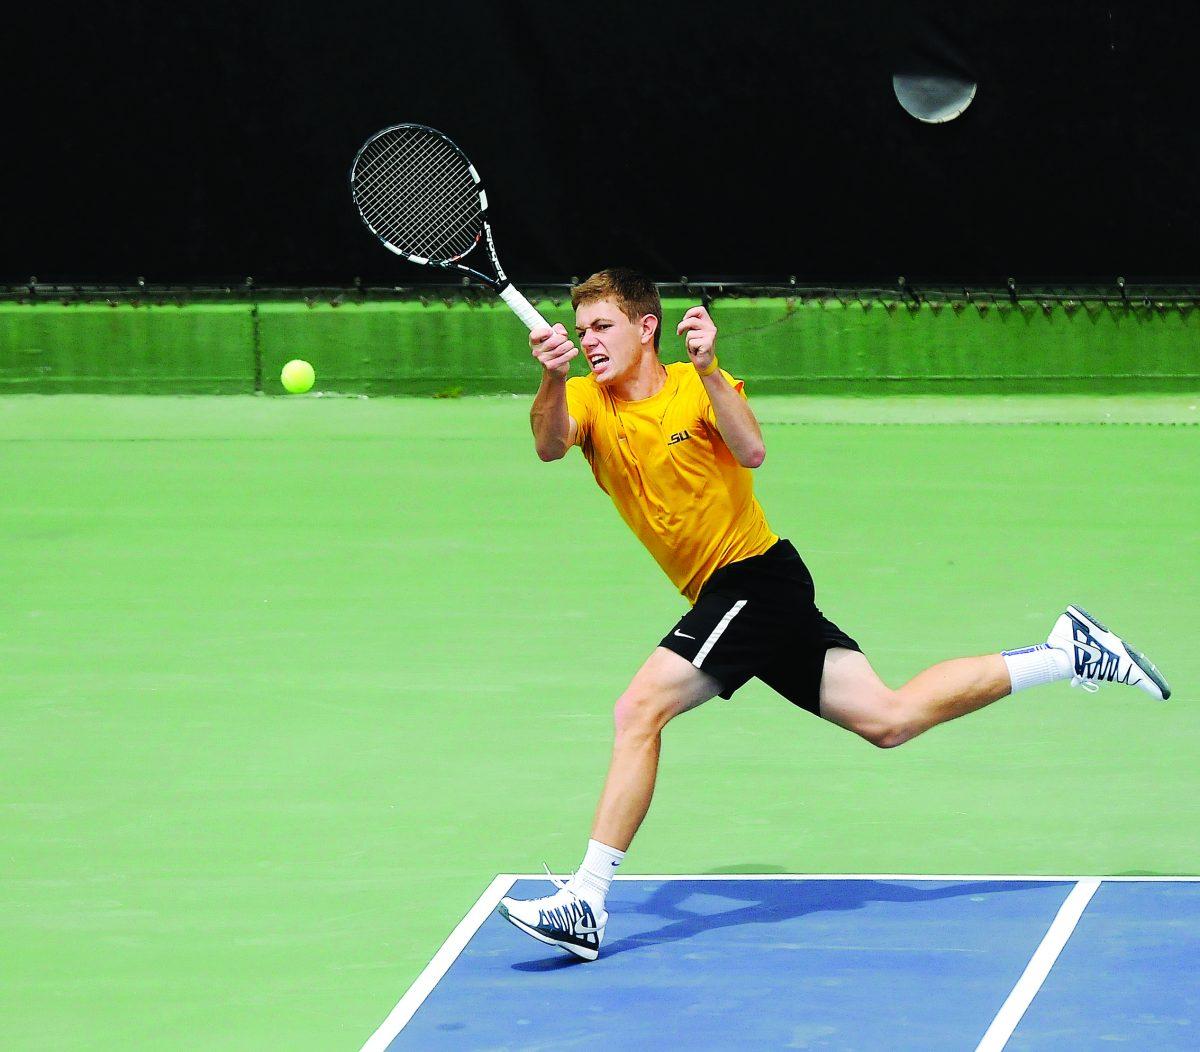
(440, 964)
(1038, 967)
(878, 876)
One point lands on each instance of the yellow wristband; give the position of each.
(710, 370)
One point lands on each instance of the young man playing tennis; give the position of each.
(673, 446)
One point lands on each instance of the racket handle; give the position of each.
(522, 308)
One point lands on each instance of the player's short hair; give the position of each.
(633, 292)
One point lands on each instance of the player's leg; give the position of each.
(1079, 648)
(666, 686)
(573, 918)
(854, 697)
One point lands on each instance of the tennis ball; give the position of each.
(297, 376)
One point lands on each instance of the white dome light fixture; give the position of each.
(934, 98)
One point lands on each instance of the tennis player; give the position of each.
(675, 446)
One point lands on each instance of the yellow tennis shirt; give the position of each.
(667, 469)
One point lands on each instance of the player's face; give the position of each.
(611, 343)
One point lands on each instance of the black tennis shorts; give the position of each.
(758, 617)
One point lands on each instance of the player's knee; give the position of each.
(886, 725)
(888, 737)
(641, 711)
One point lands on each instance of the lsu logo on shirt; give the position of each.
(679, 436)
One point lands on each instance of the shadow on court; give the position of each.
(771, 902)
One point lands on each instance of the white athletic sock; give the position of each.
(1033, 666)
(595, 873)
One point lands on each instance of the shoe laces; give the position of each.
(563, 885)
(1096, 660)
(560, 884)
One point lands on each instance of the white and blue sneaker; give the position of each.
(562, 919)
(1098, 656)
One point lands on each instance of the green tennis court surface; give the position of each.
(287, 682)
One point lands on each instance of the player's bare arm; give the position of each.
(553, 428)
(735, 419)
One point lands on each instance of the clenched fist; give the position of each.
(554, 349)
(699, 332)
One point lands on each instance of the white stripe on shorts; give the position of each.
(711, 641)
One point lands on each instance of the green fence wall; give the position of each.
(91, 348)
(779, 345)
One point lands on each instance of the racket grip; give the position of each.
(522, 308)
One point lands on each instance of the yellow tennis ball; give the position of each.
(297, 376)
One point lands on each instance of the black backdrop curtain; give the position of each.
(205, 142)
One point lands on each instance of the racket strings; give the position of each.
(434, 200)
(373, 158)
(423, 229)
(385, 148)
(384, 151)
(378, 182)
(429, 207)
(390, 165)
(428, 219)
(416, 191)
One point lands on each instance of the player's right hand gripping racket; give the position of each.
(418, 193)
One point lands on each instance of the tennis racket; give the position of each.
(418, 193)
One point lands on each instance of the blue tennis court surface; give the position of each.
(826, 963)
